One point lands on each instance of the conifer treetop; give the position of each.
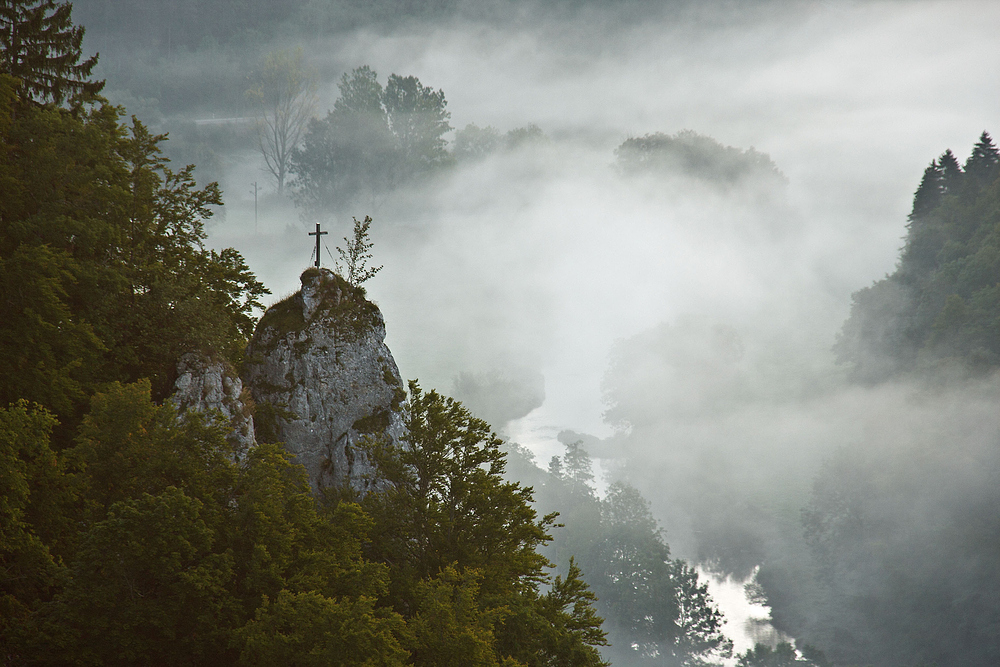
(40, 46)
(984, 162)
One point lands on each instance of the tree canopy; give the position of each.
(131, 532)
(146, 538)
(696, 156)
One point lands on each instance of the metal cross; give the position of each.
(317, 234)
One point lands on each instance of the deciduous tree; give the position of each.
(32, 479)
(418, 119)
(446, 507)
(312, 630)
(147, 582)
(349, 153)
(475, 143)
(373, 140)
(356, 253)
(104, 268)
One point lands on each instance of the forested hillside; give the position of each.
(901, 527)
(131, 533)
(104, 274)
(940, 307)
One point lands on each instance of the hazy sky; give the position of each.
(546, 259)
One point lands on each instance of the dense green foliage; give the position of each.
(146, 539)
(941, 304)
(103, 271)
(131, 534)
(149, 538)
(462, 545)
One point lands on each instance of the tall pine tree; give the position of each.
(42, 49)
(928, 194)
(951, 172)
(984, 163)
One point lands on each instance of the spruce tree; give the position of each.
(984, 163)
(374, 140)
(42, 49)
(951, 172)
(928, 194)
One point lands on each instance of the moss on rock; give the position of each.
(373, 424)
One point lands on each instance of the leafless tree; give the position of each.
(284, 96)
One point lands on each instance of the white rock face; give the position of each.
(207, 385)
(322, 378)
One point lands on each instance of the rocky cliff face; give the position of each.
(208, 385)
(322, 378)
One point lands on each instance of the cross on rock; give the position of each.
(317, 234)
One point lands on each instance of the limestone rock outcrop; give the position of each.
(205, 385)
(322, 378)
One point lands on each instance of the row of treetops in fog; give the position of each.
(378, 138)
